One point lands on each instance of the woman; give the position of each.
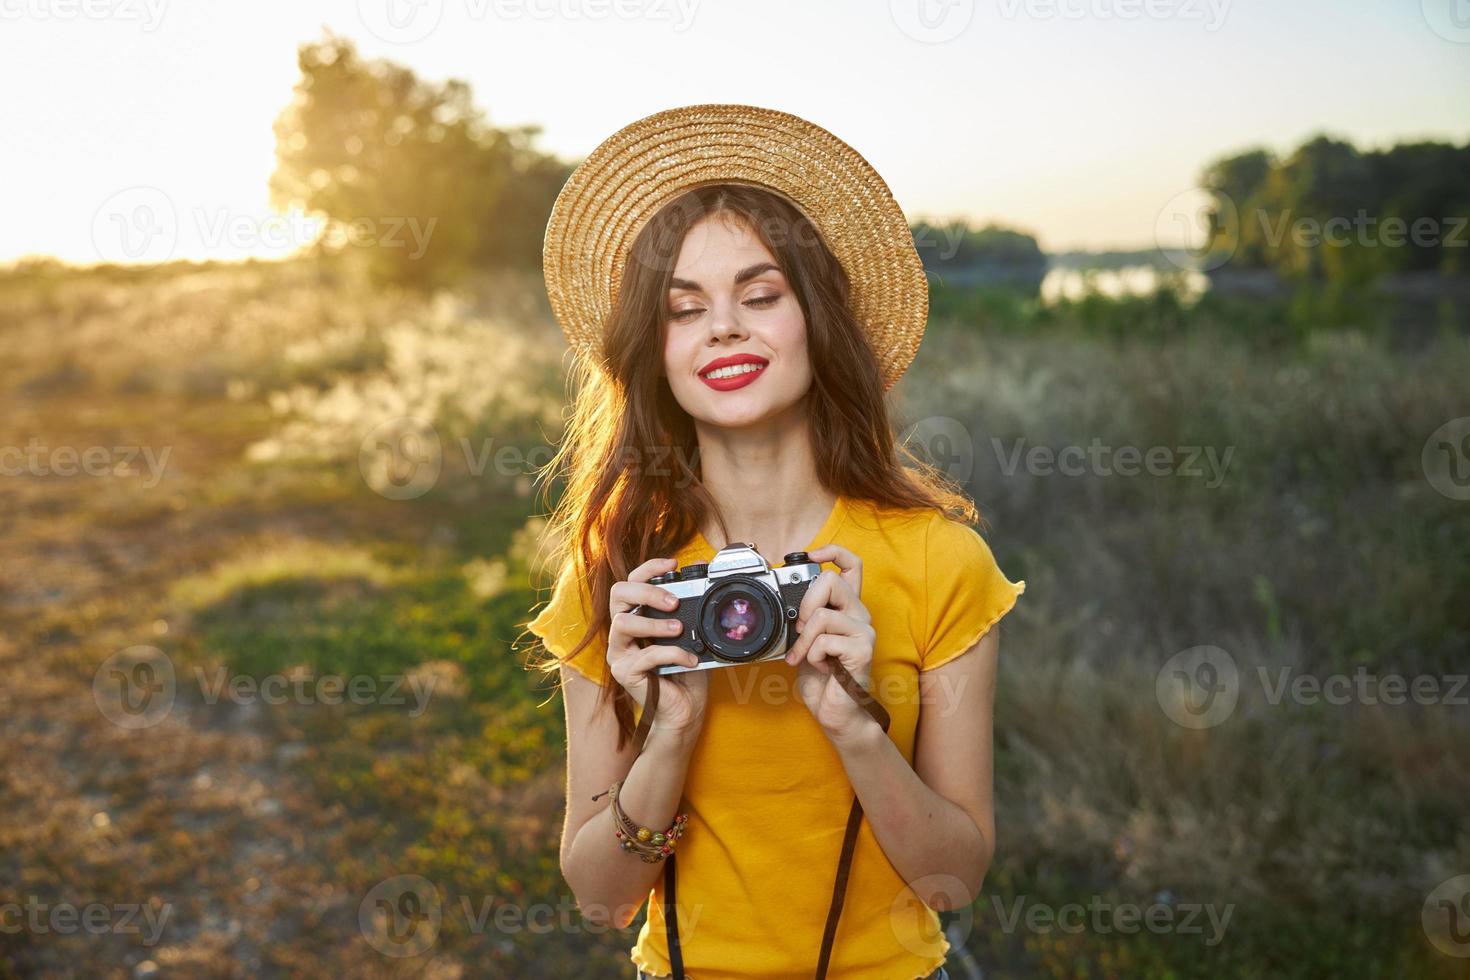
(741, 290)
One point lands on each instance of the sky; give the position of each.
(1083, 122)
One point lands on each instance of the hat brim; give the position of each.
(634, 173)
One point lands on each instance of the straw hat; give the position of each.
(645, 165)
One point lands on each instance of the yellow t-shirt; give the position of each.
(766, 793)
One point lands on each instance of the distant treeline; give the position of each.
(415, 171)
(1331, 212)
(371, 147)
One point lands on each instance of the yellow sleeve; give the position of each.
(562, 621)
(966, 592)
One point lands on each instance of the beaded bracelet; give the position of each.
(650, 845)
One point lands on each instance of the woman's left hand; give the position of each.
(834, 624)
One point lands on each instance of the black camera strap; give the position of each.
(849, 840)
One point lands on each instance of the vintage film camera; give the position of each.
(736, 609)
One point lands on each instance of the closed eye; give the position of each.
(758, 301)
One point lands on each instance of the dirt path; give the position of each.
(187, 840)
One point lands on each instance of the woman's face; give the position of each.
(734, 334)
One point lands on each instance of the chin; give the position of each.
(729, 410)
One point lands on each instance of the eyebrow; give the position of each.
(743, 275)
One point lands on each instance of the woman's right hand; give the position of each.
(681, 697)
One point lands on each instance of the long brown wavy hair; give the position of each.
(629, 459)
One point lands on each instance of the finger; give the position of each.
(651, 657)
(851, 565)
(626, 595)
(822, 622)
(816, 595)
(828, 589)
(650, 568)
(616, 598)
(847, 650)
(628, 624)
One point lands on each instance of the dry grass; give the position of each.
(262, 550)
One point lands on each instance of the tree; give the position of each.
(409, 172)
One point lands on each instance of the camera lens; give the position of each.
(738, 619)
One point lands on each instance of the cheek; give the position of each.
(672, 353)
(679, 358)
(792, 342)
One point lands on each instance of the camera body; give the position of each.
(736, 609)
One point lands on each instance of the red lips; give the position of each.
(734, 381)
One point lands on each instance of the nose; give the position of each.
(725, 326)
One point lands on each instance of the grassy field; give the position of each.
(240, 527)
